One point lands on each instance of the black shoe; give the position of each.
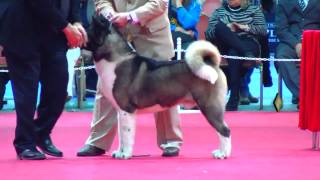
(171, 152)
(48, 147)
(295, 100)
(89, 150)
(68, 98)
(244, 101)
(232, 105)
(253, 99)
(267, 81)
(29, 154)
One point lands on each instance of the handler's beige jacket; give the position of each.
(151, 36)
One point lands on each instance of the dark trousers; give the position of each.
(51, 70)
(232, 44)
(245, 81)
(288, 69)
(4, 79)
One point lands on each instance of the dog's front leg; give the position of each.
(127, 130)
(224, 150)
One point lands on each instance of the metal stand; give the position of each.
(81, 82)
(315, 141)
(280, 85)
(261, 86)
(179, 48)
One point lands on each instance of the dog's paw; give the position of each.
(218, 154)
(121, 155)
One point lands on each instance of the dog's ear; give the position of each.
(101, 21)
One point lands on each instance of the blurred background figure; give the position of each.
(234, 28)
(72, 56)
(87, 10)
(292, 17)
(4, 78)
(184, 16)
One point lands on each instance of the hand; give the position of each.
(107, 14)
(179, 29)
(73, 36)
(2, 58)
(298, 49)
(179, 3)
(231, 27)
(83, 33)
(189, 32)
(120, 19)
(241, 27)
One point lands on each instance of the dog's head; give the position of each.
(105, 41)
(97, 32)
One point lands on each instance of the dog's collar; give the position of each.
(131, 46)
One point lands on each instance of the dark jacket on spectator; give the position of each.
(291, 20)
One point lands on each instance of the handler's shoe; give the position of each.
(89, 150)
(171, 152)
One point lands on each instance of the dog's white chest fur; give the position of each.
(107, 77)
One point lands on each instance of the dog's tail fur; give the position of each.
(203, 58)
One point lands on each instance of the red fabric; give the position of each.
(309, 117)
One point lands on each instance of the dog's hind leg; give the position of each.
(127, 129)
(214, 113)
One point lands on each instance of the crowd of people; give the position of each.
(36, 35)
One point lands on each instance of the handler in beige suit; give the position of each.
(148, 25)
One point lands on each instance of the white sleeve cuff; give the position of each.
(134, 18)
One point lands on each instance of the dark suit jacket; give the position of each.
(28, 25)
(291, 21)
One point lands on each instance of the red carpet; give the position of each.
(265, 146)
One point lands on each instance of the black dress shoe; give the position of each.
(232, 105)
(244, 101)
(89, 150)
(171, 152)
(295, 100)
(253, 99)
(29, 154)
(48, 147)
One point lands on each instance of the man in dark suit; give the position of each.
(35, 35)
(292, 18)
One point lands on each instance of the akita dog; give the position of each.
(135, 84)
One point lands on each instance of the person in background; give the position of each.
(184, 16)
(72, 56)
(234, 28)
(35, 35)
(4, 79)
(292, 17)
(268, 9)
(87, 9)
(245, 95)
(148, 24)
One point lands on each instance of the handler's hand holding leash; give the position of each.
(83, 33)
(75, 35)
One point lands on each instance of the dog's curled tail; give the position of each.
(203, 58)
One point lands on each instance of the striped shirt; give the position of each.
(252, 16)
